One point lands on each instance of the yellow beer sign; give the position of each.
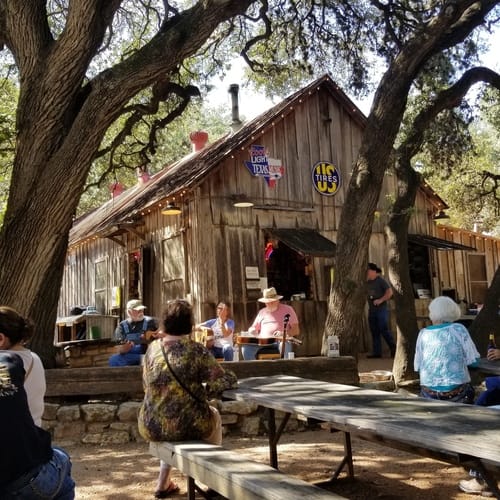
(326, 178)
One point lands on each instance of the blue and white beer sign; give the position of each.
(262, 165)
(326, 178)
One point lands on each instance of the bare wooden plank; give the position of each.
(233, 475)
(128, 379)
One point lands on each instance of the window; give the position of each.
(477, 278)
(101, 282)
(173, 268)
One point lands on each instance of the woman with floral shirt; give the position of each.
(175, 406)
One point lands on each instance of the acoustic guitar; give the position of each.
(204, 335)
(245, 339)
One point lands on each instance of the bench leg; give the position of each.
(275, 435)
(191, 489)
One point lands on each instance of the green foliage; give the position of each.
(172, 144)
(8, 101)
(469, 186)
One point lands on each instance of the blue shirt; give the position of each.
(442, 355)
(219, 339)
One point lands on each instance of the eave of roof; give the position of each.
(189, 171)
(438, 243)
(305, 240)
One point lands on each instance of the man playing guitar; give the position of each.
(270, 323)
(133, 334)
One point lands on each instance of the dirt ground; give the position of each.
(128, 472)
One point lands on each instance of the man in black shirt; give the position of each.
(379, 292)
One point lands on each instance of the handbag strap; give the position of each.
(196, 398)
(28, 371)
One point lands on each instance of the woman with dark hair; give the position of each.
(175, 406)
(15, 332)
(30, 468)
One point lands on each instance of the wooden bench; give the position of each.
(233, 475)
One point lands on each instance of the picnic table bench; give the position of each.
(455, 433)
(233, 475)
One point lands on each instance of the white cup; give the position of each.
(290, 355)
(236, 355)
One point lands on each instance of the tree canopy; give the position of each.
(90, 64)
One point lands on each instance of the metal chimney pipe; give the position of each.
(234, 89)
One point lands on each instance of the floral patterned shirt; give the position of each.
(169, 412)
(442, 355)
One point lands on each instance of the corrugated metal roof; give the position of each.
(306, 241)
(192, 169)
(438, 243)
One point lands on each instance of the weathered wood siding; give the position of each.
(202, 253)
(454, 270)
(227, 239)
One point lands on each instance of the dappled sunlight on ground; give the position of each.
(128, 472)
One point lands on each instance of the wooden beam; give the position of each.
(139, 234)
(128, 379)
(116, 240)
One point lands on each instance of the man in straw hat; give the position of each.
(270, 323)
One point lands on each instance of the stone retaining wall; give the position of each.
(100, 405)
(116, 422)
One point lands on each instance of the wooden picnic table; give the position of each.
(488, 368)
(455, 433)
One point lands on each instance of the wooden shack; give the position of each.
(259, 207)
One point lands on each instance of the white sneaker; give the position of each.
(475, 487)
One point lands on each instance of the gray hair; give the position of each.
(444, 310)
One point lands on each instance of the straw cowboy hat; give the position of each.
(270, 295)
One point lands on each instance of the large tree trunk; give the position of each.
(399, 275)
(347, 299)
(346, 304)
(61, 122)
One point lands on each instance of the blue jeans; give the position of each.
(225, 352)
(379, 327)
(53, 481)
(249, 351)
(462, 394)
(131, 358)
